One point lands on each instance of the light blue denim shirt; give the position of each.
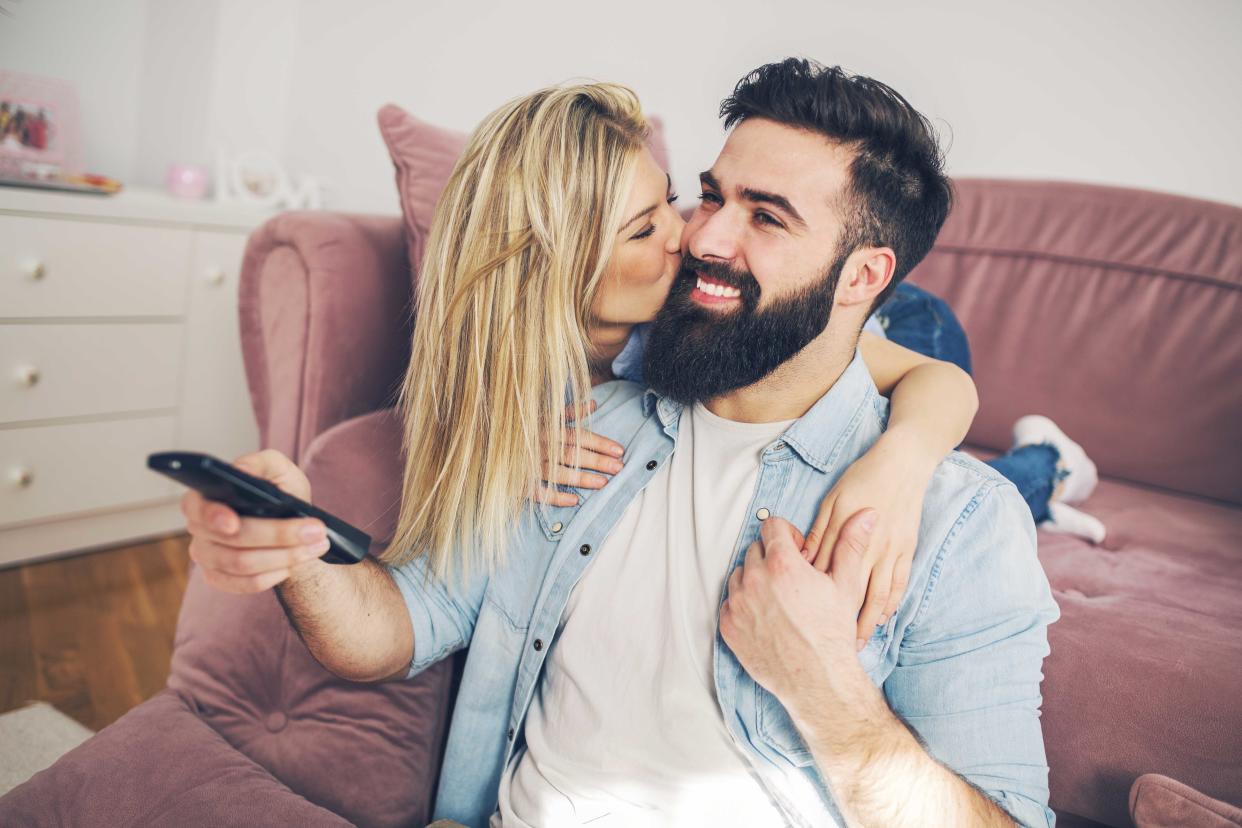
(960, 660)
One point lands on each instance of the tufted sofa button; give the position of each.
(276, 721)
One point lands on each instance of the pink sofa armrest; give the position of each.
(324, 306)
(1160, 802)
(159, 765)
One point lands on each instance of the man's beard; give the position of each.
(695, 354)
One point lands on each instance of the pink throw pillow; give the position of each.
(423, 156)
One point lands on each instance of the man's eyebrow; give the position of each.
(762, 196)
(647, 210)
(776, 200)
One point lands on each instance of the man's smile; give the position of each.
(709, 292)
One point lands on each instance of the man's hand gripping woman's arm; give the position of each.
(793, 629)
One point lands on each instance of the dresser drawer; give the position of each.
(50, 471)
(72, 370)
(57, 267)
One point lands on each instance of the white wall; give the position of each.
(1115, 91)
(1122, 92)
(174, 88)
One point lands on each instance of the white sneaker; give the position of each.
(1083, 477)
(1066, 520)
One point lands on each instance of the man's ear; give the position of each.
(867, 272)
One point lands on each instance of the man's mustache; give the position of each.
(692, 268)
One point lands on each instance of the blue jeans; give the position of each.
(924, 323)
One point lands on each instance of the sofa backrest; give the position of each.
(1113, 311)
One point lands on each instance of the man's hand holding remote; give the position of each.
(252, 554)
(352, 618)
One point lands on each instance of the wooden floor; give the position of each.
(92, 634)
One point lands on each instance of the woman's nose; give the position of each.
(678, 225)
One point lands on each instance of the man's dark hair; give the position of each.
(898, 195)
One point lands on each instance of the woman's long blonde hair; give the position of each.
(521, 237)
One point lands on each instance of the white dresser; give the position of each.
(118, 338)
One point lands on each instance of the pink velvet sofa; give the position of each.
(1114, 311)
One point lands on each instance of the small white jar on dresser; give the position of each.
(118, 338)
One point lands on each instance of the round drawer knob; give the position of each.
(35, 269)
(215, 276)
(28, 375)
(23, 477)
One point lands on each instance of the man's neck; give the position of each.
(607, 342)
(789, 391)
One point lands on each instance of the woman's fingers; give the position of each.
(591, 460)
(595, 442)
(901, 579)
(813, 544)
(555, 497)
(566, 476)
(832, 534)
(878, 589)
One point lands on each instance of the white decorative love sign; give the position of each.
(256, 177)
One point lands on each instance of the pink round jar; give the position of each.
(187, 181)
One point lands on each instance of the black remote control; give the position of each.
(252, 496)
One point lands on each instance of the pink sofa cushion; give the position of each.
(1143, 675)
(423, 156)
(1113, 311)
(161, 765)
(253, 681)
(1159, 802)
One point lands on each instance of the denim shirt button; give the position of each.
(558, 526)
(763, 514)
(510, 734)
(651, 464)
(538, 643)
(585, 549)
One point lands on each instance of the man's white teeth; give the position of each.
(712, 289)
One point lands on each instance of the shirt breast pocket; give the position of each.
(777, 730)
(513, 591)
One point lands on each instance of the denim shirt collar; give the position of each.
(819, 435)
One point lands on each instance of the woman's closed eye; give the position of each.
(651, 228)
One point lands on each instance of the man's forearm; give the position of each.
(876, 768)
(352, 618)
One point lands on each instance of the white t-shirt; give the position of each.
(625, 728)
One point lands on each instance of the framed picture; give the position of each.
(39, 128)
